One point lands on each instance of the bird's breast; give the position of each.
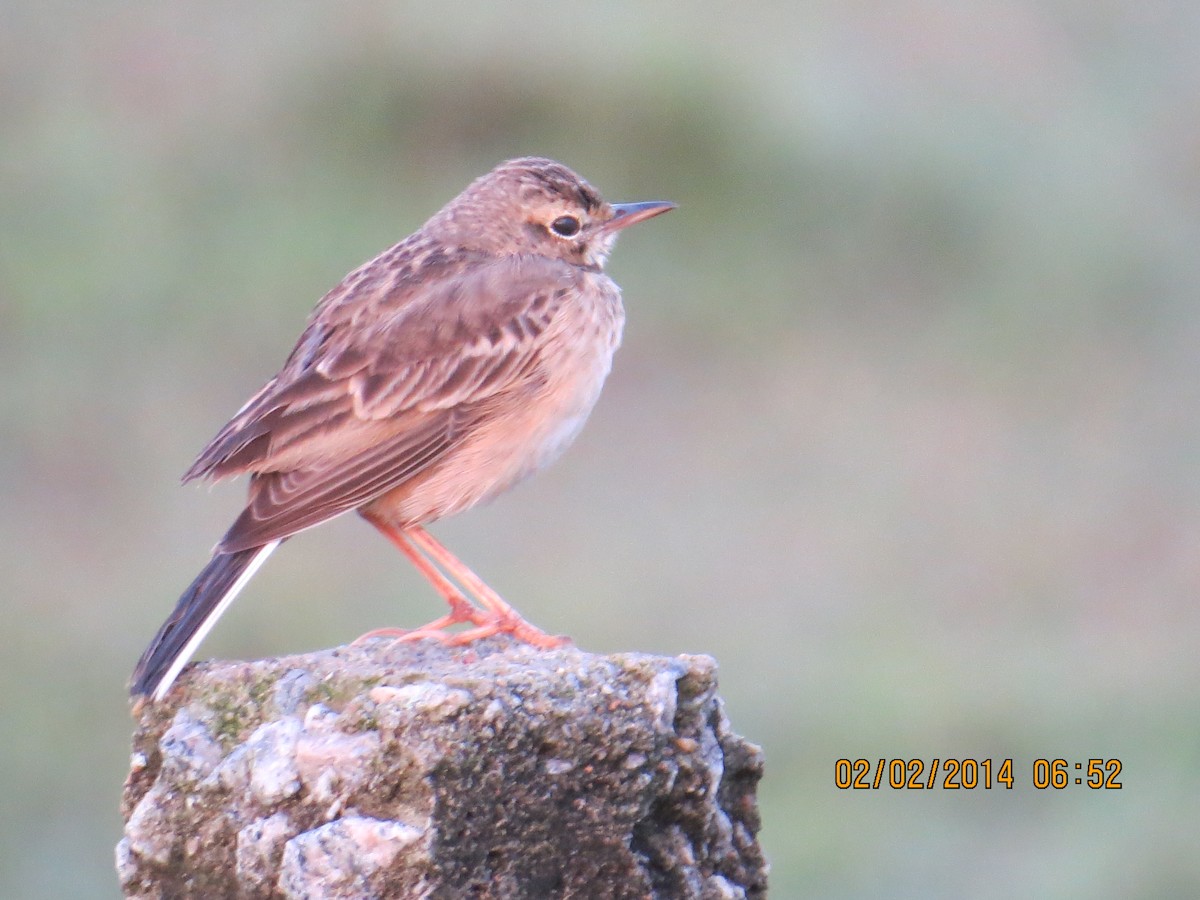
(574, 363)
(529, 425)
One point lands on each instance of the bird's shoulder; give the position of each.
(419, 303)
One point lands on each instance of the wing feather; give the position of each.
(282, 503)
(389, 376)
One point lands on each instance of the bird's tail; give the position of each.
(195, 613)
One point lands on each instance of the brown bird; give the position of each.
(433, 378)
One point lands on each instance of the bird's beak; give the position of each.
(626, 214)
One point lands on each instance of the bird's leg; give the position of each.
(461, 609)
(502, 619)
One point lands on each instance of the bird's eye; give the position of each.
(565, 226)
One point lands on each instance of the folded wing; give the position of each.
(385, 381)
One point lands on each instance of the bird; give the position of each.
(434, 377)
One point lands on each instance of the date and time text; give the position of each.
(975, 774)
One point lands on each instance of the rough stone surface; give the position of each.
(414, 770)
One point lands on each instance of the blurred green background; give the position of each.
(904, 431)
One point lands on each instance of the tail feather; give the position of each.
(196, 612)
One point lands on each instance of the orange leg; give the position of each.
(504, 619)
(461, 609)
(495, 617)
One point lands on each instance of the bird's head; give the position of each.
(537, 206)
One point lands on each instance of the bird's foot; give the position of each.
(485, 624)
(461, 610)
(504, 624)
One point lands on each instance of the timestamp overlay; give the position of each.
(959, 774)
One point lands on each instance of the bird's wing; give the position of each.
(382, 385)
